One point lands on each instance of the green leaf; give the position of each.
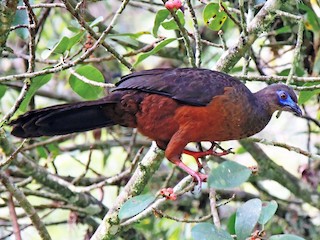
(131, 35)
(304, 96)
(285, 237)
(171, 23)
(61, 46)
(3, 90)
(21, 18)
(207, 231)
(213, 17)
(159, 46)
(313, 22)
(96, 21)
(160, 17)
(231, 224)
(36, 83)
(247, 217)
(42, 152)
(268, 210)
(53, 149)
(125, 39)
(86, 90)
(135, 205)
(285, 29)
(228, 174)
(75, 39)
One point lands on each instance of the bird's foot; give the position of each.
(199, 178)
(223, 152)
(210, 151)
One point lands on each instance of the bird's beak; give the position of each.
(296, 109)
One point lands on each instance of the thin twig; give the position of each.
(14, 218)
(26, 205)
(13, 155)
(196, 34)
(315, 157)
(91, 82)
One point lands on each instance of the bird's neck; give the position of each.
(260, 115)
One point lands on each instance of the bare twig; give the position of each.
(26, 205)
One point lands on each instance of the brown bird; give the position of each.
(171, 106)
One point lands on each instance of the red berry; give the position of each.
(177, 4)
(169, 5)
(173, 4)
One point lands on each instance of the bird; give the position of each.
(173, 107)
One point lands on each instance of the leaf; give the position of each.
(75, 39)
(160, 17)
(228, 174)
(96, 21)
(304, 96)
(231, 224)
(268, 211)
(247, 217)
(36, 83)
(285, 237)
(61, 46)
(213, 17)
(159, 46)
(125, 39)
(207, 231)
(285, 29)
(21, 18)
(312, 22)
(86, 90)
(3, 90)
(135, 205)
(171, 23)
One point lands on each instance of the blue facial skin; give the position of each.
(286, 101)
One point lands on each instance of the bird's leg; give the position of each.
(210, 151)
(192, 153)
(173, 154)
(199, 177)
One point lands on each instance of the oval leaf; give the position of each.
(285, 237)
(3, 90)
(36, 83)
(75, 39)
(160, 17)
(159, 46)
(247, 217)
(85, 90)
(228, 174)
(171, 24)
(304, 96)
(61, 46)
(135, 205)
(268, 210)
(207, 231)
(214, 17)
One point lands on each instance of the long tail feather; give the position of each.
(63, 119)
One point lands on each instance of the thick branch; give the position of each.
(268, 169)
(258, 24)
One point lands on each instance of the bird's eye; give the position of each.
(283, 96)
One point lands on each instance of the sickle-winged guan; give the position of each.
(171, 106)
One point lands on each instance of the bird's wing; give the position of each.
(191, 86)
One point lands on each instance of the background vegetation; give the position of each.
(66, 51)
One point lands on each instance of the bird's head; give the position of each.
(281, 97)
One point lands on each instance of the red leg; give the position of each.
(173, 154)
(210, 151)
(199, 177)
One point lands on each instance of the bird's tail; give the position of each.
(63, 119)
